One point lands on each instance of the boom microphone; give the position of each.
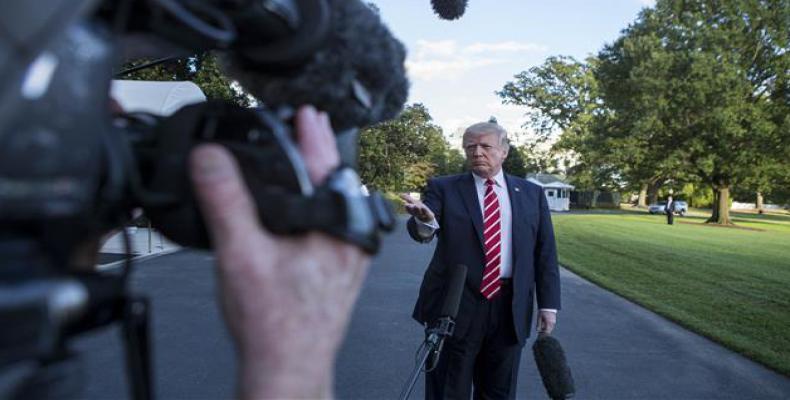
(553, 367)
(455, 289)
(449, 9)
(357, 76)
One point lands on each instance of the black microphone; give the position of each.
(449, 9)
(357, 75)
(445, 324)
(431, 348)
(455, 288)
(553, 367)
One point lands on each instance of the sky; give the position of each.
(456, 66)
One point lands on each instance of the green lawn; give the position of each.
(730, 284)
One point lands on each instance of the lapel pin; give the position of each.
(518, 190)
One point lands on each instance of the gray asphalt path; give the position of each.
(617, 350)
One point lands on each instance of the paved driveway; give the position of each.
(617, 350)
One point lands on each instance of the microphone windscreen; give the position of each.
(449, 9)
(553, 367)
(358, 76)
(455, 288)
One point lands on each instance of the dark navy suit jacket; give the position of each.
(454, 201)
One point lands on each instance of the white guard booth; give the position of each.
(557, 192)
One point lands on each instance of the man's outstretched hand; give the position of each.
(417, 209)
(286, 300)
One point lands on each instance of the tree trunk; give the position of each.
(652, 192)
(721, 206)
(759, 202)
(642, 196)
(715, 206)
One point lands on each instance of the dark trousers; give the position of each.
(487, 356)
(670, 218)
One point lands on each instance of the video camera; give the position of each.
(71, 170)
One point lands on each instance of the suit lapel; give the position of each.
(469, 196)
(517, 211)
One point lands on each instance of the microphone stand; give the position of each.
(432, 344)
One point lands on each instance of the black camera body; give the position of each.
(62, 157)
(72, 170)
(261, 141)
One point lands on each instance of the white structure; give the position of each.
(557, 192)
(160, 98)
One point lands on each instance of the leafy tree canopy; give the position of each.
(402, 153)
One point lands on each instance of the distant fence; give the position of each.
(594, 199)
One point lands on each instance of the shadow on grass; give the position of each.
(699, 214)
(621, 211)
(758, 217)
(750, 218)
(745, 228)
(768, 223)
(699, 220)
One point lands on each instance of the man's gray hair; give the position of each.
(481, 128)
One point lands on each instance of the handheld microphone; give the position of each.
(455, 288)
(553, 367)
(449, 9)
(431, 348)
(445, 325)
(357, 76)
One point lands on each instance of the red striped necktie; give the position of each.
(492, 238)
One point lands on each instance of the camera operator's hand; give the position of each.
(286, 300)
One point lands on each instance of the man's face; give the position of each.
(484, 154)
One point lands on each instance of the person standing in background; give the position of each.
(670, 211)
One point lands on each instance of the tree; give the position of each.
(765, 183)
(402, 153)
(451, 162)
(416, 175)
(515, 163)
(693, 91)
(202, 69)
(636, 75)
(562, 95)
(558, 95)
(701, 80)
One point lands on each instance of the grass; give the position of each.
(727, 283)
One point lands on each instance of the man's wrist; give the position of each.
(426, 230)
(304, 378)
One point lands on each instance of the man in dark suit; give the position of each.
(669, 209)
(499, 226)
